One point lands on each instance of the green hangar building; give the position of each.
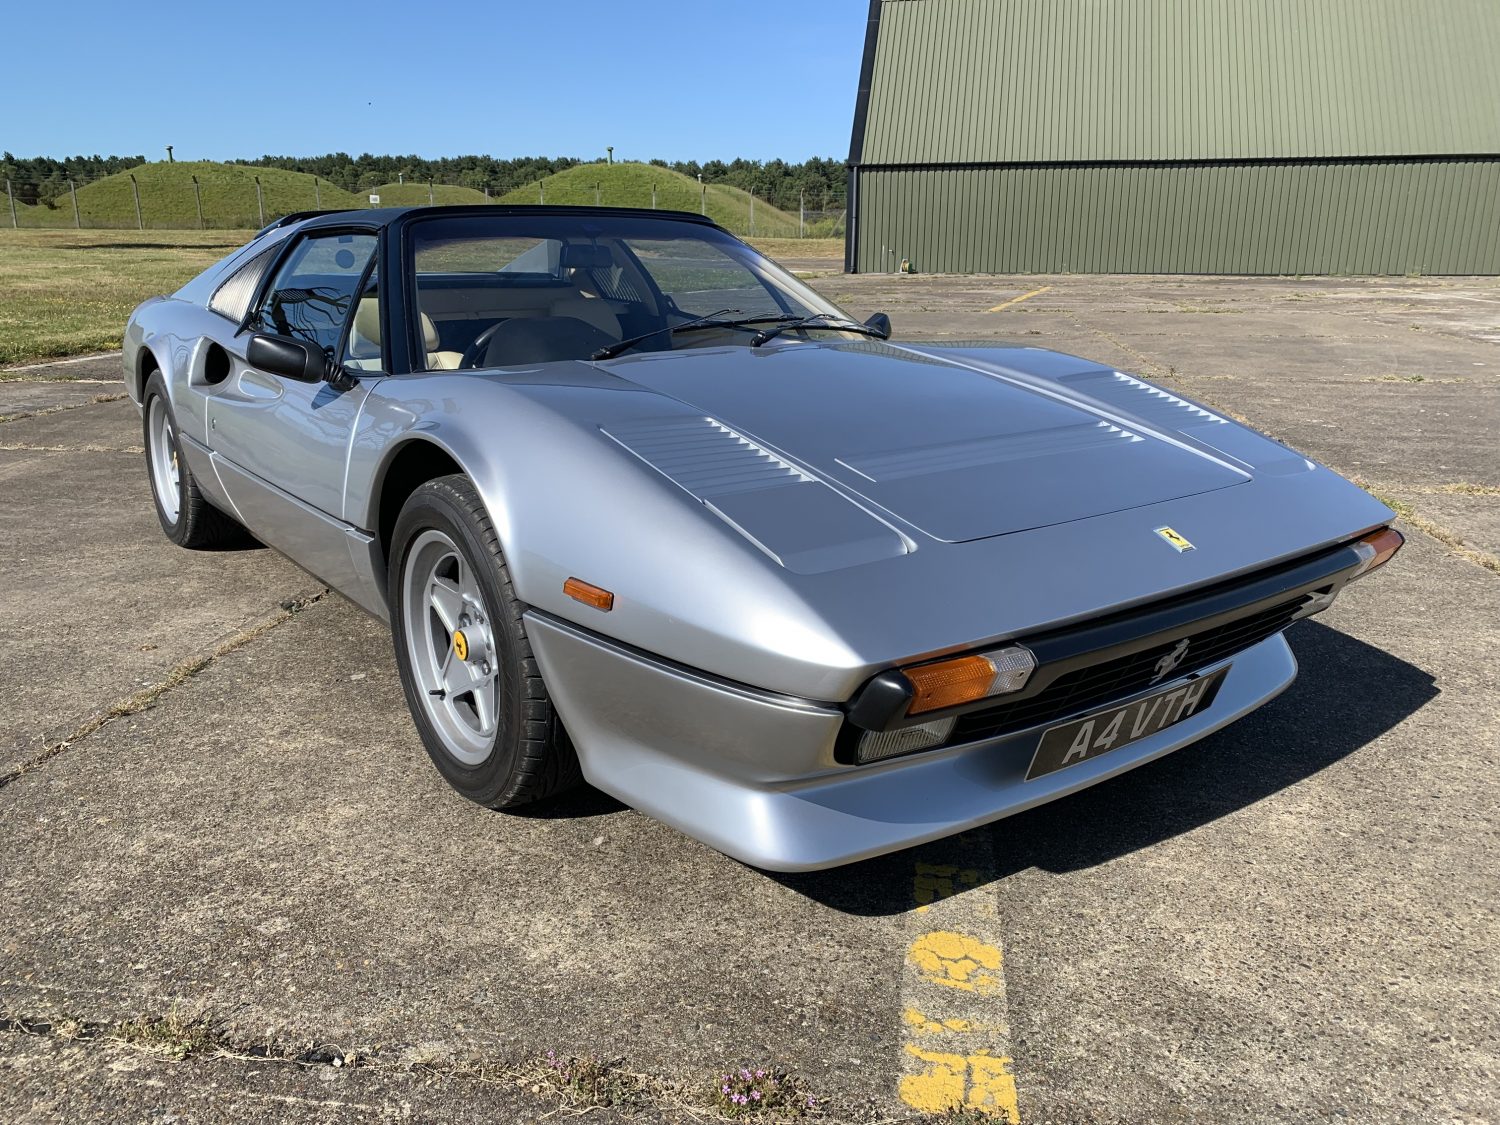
(1178, 136)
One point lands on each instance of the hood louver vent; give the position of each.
(1151, 404)
(704, 457)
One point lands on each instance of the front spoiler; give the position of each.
(754, 775)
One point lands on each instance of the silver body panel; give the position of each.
(778, 525)
(755, 777)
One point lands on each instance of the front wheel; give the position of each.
(186, 516)
(471, 682)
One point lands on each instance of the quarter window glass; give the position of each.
(233, 297)
(313, 293)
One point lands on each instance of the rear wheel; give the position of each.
(471, 682)
(186, 516)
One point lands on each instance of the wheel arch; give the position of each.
(409, 465)
(145, 363)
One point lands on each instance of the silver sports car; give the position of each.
(642, 508)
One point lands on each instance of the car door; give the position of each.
(279, 445)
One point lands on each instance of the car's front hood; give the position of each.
(955, 451)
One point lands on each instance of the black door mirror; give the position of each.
(291, 359)
(880, 323)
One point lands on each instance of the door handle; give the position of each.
(258, 385)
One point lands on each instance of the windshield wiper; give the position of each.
(709, 321)
(815, 321)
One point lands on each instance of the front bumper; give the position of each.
(755, 775)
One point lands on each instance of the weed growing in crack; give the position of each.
(750, 1090)
(174, 1034)
(583, 1081)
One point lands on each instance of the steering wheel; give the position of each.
(475, 351)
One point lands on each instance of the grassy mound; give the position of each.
(167, 202)
(415, 195)
(629, 185)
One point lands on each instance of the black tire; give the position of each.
(197, 524)
(529, 756)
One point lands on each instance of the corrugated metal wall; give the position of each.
(994, 81)
(1432, 217)
(1191, 136)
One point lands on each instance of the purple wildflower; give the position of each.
(755, 1095)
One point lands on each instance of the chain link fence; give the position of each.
(215, 201)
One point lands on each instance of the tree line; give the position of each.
(821, 180)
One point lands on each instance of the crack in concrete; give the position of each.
(93, 401)
(27, 447)
(1446, 538)
(180, 673)
(7, 377)
(171, 1036)
(576, 1083)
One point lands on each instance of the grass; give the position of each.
(69, 292)
(629, 185)
(229, 198)
(415, 195)
(167, 202)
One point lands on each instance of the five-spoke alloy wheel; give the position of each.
(466, 666)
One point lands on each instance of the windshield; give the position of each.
(517, 290)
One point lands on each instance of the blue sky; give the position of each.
(663, 78)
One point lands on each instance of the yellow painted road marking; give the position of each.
(955, 1024)
(949, 1081)
(1018, 300)
(957, 961)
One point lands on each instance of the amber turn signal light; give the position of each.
(589, 594)
(1377, 549)
(963, 679)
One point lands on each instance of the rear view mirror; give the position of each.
(880, 323)
(291, 359)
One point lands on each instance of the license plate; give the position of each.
(1104, 731)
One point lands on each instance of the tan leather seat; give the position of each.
(364, 340)
(590, 310)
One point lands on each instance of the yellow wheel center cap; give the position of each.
(460, 645)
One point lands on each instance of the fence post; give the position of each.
(198, 201)
(77, 219)
(429, 193)
(653, 197)
(752, 212)
(596, 195)
(317, 195)
(541, 192)
(260, 202)
(135, 190)
(802, 214)
(10, 195)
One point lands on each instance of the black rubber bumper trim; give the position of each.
(880, 705)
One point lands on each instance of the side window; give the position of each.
(312, 294)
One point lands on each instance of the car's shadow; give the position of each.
(1348, 694)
